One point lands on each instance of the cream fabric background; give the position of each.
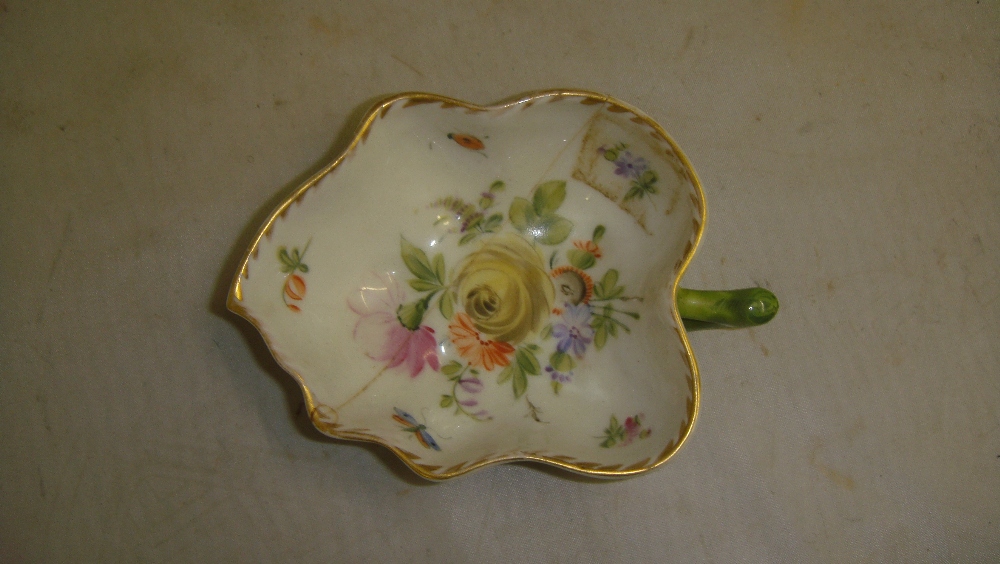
(849, 153)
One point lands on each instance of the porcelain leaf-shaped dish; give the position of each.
(468, 285)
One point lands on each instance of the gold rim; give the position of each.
(235, 297)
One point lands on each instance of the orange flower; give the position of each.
(588, 246)
(471, 347)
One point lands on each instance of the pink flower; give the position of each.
(633, 429)
(380, 334)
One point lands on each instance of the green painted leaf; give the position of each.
(610, 279)
(615, 293)
(554, 230)
(303, 268)
(631, 314)
(612, 329)
(634, 192)
(412, 314)
(505, 374)
(598, 234)
(549, 196)
(416, 261)
(446, 400)
(520, 383)
(556, 386)
(521, 214)
(581, 259)
(287, 264)
(527, 361)
(497, 186)
(533, 347)
(600, 337)
(423, 285)
(546, 332)
(493, 222)
(446, 305)
(599, 291)
(468, 237)
(474, 222)
(452, 368)
(439, 267)
(562, 362)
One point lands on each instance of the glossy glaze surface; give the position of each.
(469, 285)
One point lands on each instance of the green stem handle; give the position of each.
(705, 309)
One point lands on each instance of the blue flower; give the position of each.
(629, 165)
(575, 331)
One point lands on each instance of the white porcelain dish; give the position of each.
(468, 285)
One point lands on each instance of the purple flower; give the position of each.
(629, 165)
(561, 377)
(575, 331)
(471, 385)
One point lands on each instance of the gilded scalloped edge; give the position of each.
(438, 472)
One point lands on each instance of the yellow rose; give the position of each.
(505, 289)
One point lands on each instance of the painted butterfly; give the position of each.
(419, 430)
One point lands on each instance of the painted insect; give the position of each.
(419, 430)
(468, 141)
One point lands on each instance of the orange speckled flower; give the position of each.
(588, 246)
(484, 354)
